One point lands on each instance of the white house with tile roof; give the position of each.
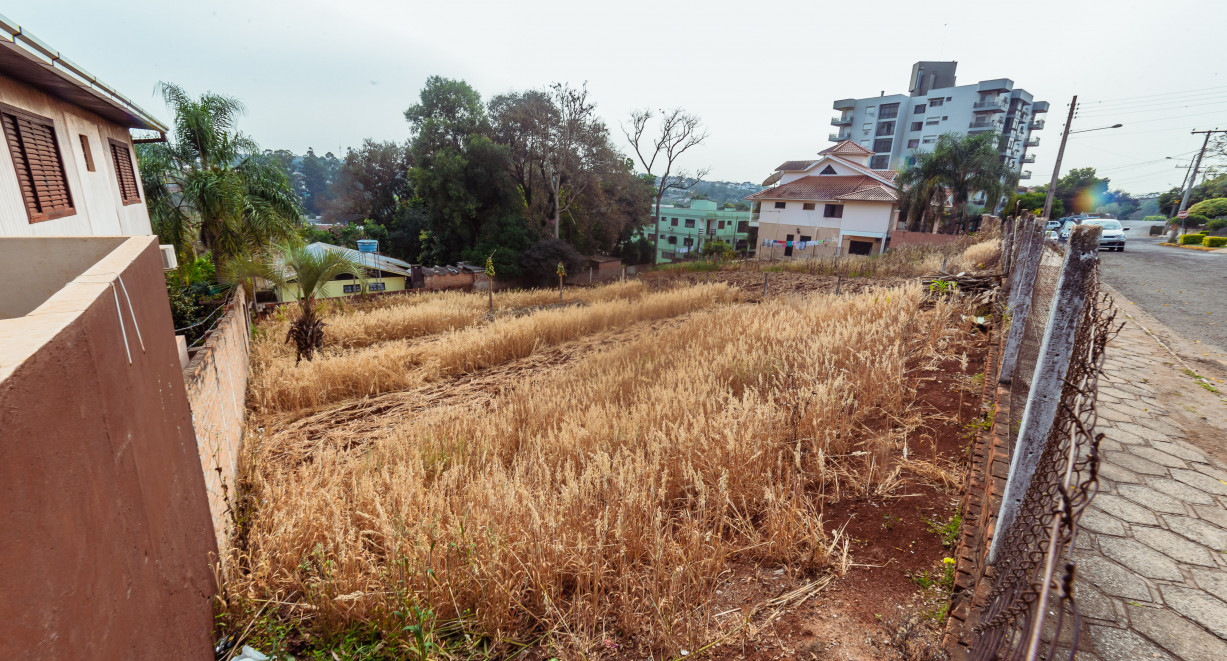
(833, 205)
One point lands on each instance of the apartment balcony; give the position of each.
(841, 121)
(995, 85)
(985, 126)
(1037, 125)
(1024, 175)
(1029, 158)
(1033, 141)
(996, 105)
(1039, 106)
(844, 104)
(842, 135)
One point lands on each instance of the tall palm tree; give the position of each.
(922, 189)
(308, 268)
(209, 185)
(972, 163)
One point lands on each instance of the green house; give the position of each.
(684, 232)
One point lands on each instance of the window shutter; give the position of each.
(40, 167)
(125, 173)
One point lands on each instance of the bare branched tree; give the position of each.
(677, 133)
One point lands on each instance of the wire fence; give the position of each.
(1031, 611)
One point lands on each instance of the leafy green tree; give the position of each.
(318, 174)
(459, 175)
(210, 187)
(309, 269)
(1080, 190)
(373, 181)
(972, 163)
(505, 239)
(541, 261)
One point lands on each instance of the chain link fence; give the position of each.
(1052, 361)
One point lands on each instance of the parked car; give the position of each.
(1112, 237)
(1066, 228)
(1053, 224)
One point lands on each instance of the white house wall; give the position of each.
(95, 195)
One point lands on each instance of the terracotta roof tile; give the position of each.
(828, 187)
(877, 193)
(793, 166)
(845, 147)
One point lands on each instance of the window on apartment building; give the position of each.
(945, 117)
(932, 121)
(125, 173)
(720, 225)
(743, 226)
(914, 143)
(673, 222)
(690, 222)
(807, 206)
(882, 145)
(828, 170)
(886, 128)
(85, 151)
(667, 255)
(651, 237)
(880, 162)
(889, 111)
(920, 109)
(928, 140)
(39, 165)
(673, 240)
(806, 237)
(933, 103)
(833, 211)
(780, 205)
(916, 126)
(870, 110)
(688, 241)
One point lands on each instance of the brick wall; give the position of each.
(216, 381)
(990, 465)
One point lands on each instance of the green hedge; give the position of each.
(1216, 224)
(1192, 239)
(1214, 241)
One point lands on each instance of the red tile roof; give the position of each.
(845, 147)
(829, 187)
(794, 166)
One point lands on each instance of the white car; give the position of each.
(1112, 237)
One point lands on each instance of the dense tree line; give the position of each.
(530, 177)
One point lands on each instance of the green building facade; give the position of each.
(684, 232)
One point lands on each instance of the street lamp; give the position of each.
(1056, 170)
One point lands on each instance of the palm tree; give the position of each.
(972, 163)
(308, 268)
(922, 189)
(210, 186)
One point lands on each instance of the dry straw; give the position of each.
(609, 494)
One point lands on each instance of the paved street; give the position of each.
(1152, 556)
(1183, 289)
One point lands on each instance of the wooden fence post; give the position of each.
(765, 274)
(1022, 287)
(1039, 414)
(1007, 243)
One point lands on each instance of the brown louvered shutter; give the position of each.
(40, 168)
(125, 173)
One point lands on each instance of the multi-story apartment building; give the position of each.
(684, 231)
(894, 127)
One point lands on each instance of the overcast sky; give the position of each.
(762, 75)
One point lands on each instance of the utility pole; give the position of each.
(1056, 169)
(1188, 189)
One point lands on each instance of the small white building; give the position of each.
(67, 167)
(834, 205)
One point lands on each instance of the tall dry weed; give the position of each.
(279, 384)
(608, 496)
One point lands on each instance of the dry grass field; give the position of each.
(578, 481)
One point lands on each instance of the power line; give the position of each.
(1164, 108)
(1148, 96)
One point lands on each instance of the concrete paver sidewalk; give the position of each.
(1152, 553)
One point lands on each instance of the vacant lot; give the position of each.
(639, 471)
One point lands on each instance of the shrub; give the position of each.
(1155, 219)
(1192, 239)
(1194, 220)
(717, 250)
(1216, 224)
(540, 261)
(1211, 208)
(1214, 241)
